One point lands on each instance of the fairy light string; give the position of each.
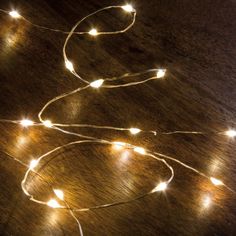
(60, 201)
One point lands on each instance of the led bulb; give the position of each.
(47, 123)
(140, 150)
(161, 73)
(26, 122)
(53, 203)
(33, 164)
(14, 14)
(231, 133)
(93, 32)
(59, 194)
(97, 83)
(128, 8)
(134, 130)
(160, 187)
(216, 181)
(119, 145)
(69, 65)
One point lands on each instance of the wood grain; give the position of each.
(195, 41)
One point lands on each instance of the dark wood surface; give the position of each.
(195, 41)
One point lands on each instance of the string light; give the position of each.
(26, 123)
(14, 14)
(134, 130)
(140, 150)
(47, 123)
(97, 83)
(160, 187)
(119, 145)
(216, 182)
(93, 32)
(69, 65)
(33, 164)
(159, 73)
(231, 133)
(53, 203)
(59, 193)
(128, 8)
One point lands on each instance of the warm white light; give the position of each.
(14, 14)
(206, 201)
(97, 83)
(53, 203)
(69, 65)
(26, 122)
(33, 164)
(140, 150)
(231, 133)
(118, 145)
(125, 155)
(216, 181)
(160, 187)
(21, 140)
(59, 193)
(93, 32)
(128, 8)
(47, 123)
(161, 73)
(134, 130)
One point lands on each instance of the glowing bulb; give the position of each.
(47, 123)
(140, 150)
(93, 32)
(26, 122)
(69, 65)
(216, 181)
(119, 145)
(161, 73)
(53, 203)
(33, 164)
(134, 130)
(97, 83)
(59, 193)
(160, 187)
(128, 8)
(14, 14)
(231, 133)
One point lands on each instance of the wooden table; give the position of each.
(195, 41)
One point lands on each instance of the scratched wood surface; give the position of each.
(195, 41)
